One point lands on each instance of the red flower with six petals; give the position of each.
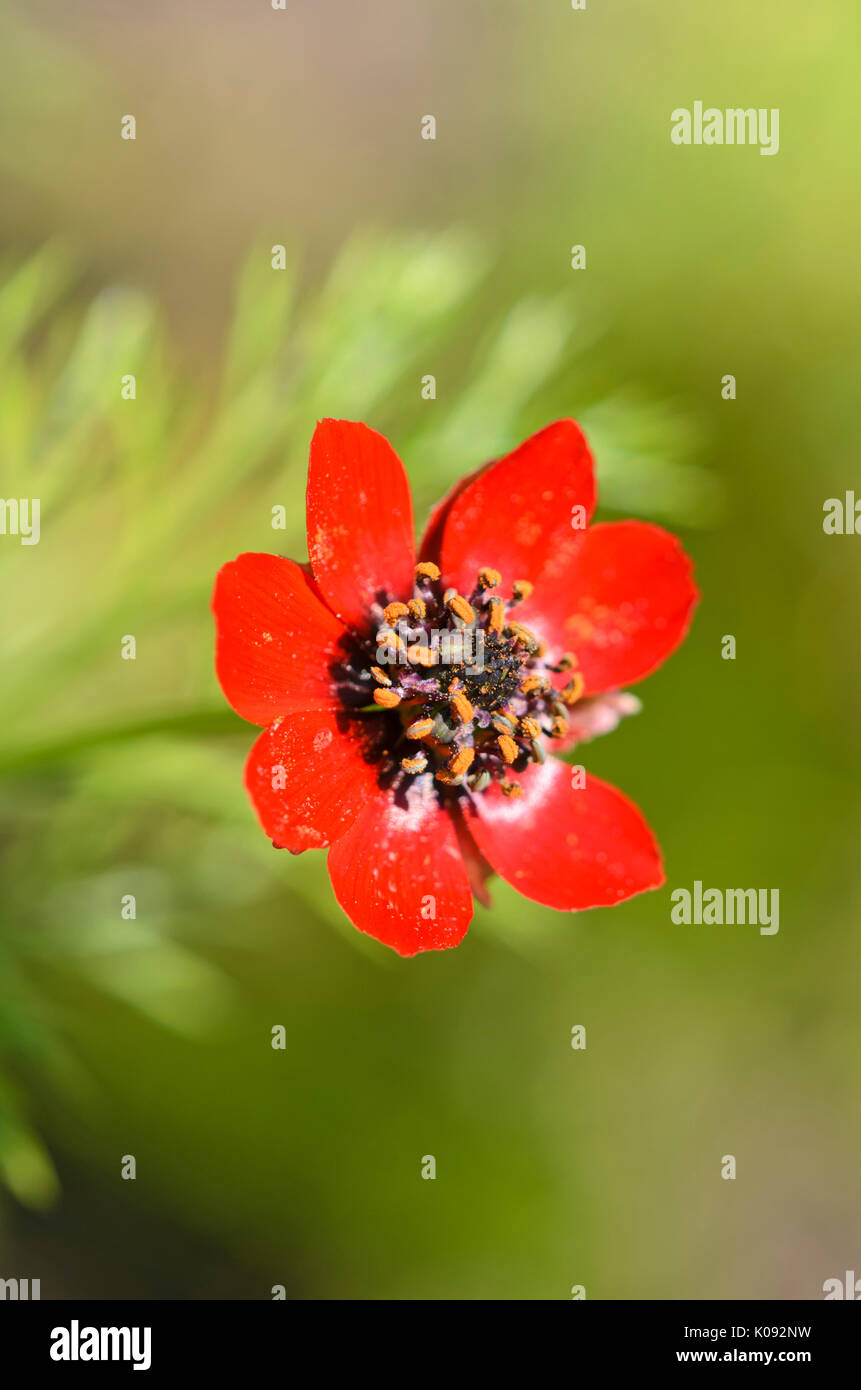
(409, 709)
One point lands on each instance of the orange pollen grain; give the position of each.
(443, 775)
(459, 606)
(573, 690)
(507, 747)
(531, 683)
(393, 611)
(420, 728)
(416, 764)
(462, 707)
(387, 698)
(422, 655)
(461, 761)
(497, 615)
(511, 789)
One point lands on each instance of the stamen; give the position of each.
(417, 609)
(387, 698)
(462, 708)
(458, 605)
(521, 589)
(573, 690)
(501, 723)
(420, 728)
(443, 775)
(530, 728)
(559, 727)
(497, 615)
(489, 578)
(387, 637)
(480, 780)
(442, 731)
(380, 676)
(533, 683)
(422, 655)
(461, 761)
(393, 611)
(567, 662)
(507, 747)
(511, 789)
(522, 634)
(426, 569)
(414, 764)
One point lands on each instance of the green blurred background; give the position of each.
(152, 1037)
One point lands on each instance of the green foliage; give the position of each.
(124, 777)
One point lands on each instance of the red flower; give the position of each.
(409, 709)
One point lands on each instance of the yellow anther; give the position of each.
(380, 675)
(521, 589)
(489, 578)
(497, 615)
(393, 611)
(458, 605)
(559, 727)
(443, 775)
(417, 608)
(511, 789)
(415, 764)
(567, 662)
(523, 634)
(573, 690)
(387, 698)
(422, 655)
(507, 747)
(420, 728)
(462, 707)
(531, 683)
(461, 761)
(426, 569)
(530, 728)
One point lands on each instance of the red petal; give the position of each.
(516, 514)
(431, 542)
(398, 861)
(309, 776)
(360, 520)
(625, 604)
(567, 848)
(275, 638)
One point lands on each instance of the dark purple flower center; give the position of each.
(464, 689)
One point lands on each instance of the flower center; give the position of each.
(465, 687)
